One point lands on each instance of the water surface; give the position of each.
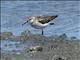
(15, 13)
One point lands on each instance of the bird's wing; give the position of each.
(46, 19)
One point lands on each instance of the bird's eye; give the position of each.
(29, 19)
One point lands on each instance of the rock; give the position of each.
(73, 38)
(29, 36)
(25, 35)
(5, 35)
(35, 49)
(8, 58)
(25, 32)
(37, 37)
(56, 57)
(61, 37)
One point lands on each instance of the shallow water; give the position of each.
(19, 51)
(15, 13)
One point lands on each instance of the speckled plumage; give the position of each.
(40, 22)
(43, 19)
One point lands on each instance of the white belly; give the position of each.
(39, 25)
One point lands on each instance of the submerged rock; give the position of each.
(25, 32)
(25, 35)
(8, 58)
(61, 37)
(5, 35)
(56, 57)
(73, 38)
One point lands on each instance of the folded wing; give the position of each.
(46, 19)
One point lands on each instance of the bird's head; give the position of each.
(31, 19)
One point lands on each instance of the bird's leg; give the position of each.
(42, 32)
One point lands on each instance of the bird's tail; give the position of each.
(53, 17)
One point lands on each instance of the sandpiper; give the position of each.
(40, 22)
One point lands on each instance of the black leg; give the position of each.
(42, 32)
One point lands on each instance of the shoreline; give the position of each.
(38, 47)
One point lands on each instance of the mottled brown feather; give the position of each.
(45, 19)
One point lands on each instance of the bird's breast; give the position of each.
(38, 25)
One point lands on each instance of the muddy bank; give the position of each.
(30, 46)
(27, 35)
(70, 50)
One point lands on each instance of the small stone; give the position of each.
(35, 49)
(25, 32)
(24, 35)
(61, 37)
(8, 58)
(5, 35)
(73, 38)
(56, 57)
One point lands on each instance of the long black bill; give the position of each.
(24, 23)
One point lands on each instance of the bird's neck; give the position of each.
(34, 19)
